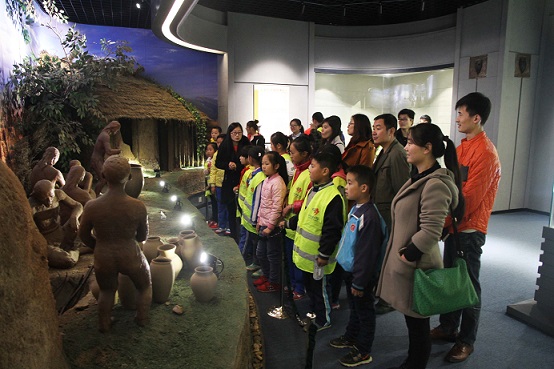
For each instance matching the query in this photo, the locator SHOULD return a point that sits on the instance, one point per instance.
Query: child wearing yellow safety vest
(300, 154)
(318, 231)
(251, 205)
(245, 176)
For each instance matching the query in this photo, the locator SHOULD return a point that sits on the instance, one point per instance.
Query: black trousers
(420, 342)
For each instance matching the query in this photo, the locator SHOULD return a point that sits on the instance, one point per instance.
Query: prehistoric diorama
(89, 239)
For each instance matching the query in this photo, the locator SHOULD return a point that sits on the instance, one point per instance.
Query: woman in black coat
(228, 160)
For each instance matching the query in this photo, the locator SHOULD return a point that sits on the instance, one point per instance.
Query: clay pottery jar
(189, 249)
(162, 279)
(203, 283)
(133, 187)
(168, 251)
(150, 247)
(127, 292)
(174, 241)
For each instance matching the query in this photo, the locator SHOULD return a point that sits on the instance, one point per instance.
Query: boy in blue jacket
(360, 251)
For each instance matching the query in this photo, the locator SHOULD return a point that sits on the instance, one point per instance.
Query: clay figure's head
(116, 169)
(76, 174)
(113, 127)
(43, 192)
(74, 162)
(51, 155)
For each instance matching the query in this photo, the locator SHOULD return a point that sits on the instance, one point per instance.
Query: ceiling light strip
(171, 17)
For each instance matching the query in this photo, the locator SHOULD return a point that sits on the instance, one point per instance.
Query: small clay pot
(203, 283)
(162, 279)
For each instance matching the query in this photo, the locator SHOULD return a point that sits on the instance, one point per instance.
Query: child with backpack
(360, 254)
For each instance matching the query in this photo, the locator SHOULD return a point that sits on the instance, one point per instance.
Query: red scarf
(300, 168)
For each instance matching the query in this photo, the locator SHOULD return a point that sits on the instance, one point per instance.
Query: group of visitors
(380, 216)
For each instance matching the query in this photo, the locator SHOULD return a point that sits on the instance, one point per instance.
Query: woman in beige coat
(418, 213)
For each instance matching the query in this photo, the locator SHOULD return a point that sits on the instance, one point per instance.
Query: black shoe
(354, 358)
(383, 307)
(341, 342)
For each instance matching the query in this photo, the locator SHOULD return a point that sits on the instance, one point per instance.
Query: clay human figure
(45, 206)
(44, 169)
(71, 188)
(102, 150)
(119, 223)
(86, 182)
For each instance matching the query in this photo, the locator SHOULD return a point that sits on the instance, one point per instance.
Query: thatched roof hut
(158, 128)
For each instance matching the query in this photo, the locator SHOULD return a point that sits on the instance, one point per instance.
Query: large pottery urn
(127, 292)
(134, 185)
(168, 251)
(190, 248)
(150, 247)
(203, 283)
(162, 279)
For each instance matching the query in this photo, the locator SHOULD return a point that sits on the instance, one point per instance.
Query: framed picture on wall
(478, 66)
(523, 66)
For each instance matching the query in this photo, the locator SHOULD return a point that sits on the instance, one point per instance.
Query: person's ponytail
(451, 162)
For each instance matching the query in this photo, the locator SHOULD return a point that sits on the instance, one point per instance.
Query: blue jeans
(295, 274)
(249, 249)
(361, 325)
(242, 239)
(222, 214)
(269, 254)
(471, 243)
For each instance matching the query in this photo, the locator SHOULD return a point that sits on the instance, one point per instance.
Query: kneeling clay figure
(45, 206)
(119, 222)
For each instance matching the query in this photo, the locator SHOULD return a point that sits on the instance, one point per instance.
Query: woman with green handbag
(418, 214)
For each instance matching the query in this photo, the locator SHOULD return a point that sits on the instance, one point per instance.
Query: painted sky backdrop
(191, 73)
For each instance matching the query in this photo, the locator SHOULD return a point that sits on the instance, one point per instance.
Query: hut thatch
(159, 129)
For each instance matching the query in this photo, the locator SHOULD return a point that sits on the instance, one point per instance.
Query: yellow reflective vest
(247, 221)
(297, 191)
(308, 232)
(243, 186)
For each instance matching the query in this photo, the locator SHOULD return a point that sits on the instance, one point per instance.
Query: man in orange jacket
(480, 168)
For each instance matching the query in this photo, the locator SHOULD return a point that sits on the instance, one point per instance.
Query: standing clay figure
(119, 222)
(86, 182)
(103, 150)
(45, 206)
(44, 169)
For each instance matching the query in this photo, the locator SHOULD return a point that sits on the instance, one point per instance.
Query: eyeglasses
(236, 133)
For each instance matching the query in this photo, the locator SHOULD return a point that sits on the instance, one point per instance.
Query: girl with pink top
(274, 190)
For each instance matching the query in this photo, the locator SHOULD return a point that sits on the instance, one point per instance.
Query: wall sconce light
(165, 186)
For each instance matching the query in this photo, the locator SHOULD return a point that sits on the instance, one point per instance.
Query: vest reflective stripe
(243, 186)
(309, 257)
(308, 232)
(246, 220)
(308, 235)
(297, 191)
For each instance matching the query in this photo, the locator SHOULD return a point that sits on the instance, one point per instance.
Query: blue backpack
(346, 252)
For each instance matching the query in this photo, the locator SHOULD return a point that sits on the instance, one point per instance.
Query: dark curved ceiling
(124, 13)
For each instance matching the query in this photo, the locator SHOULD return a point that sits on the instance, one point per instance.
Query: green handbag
(439, 291)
